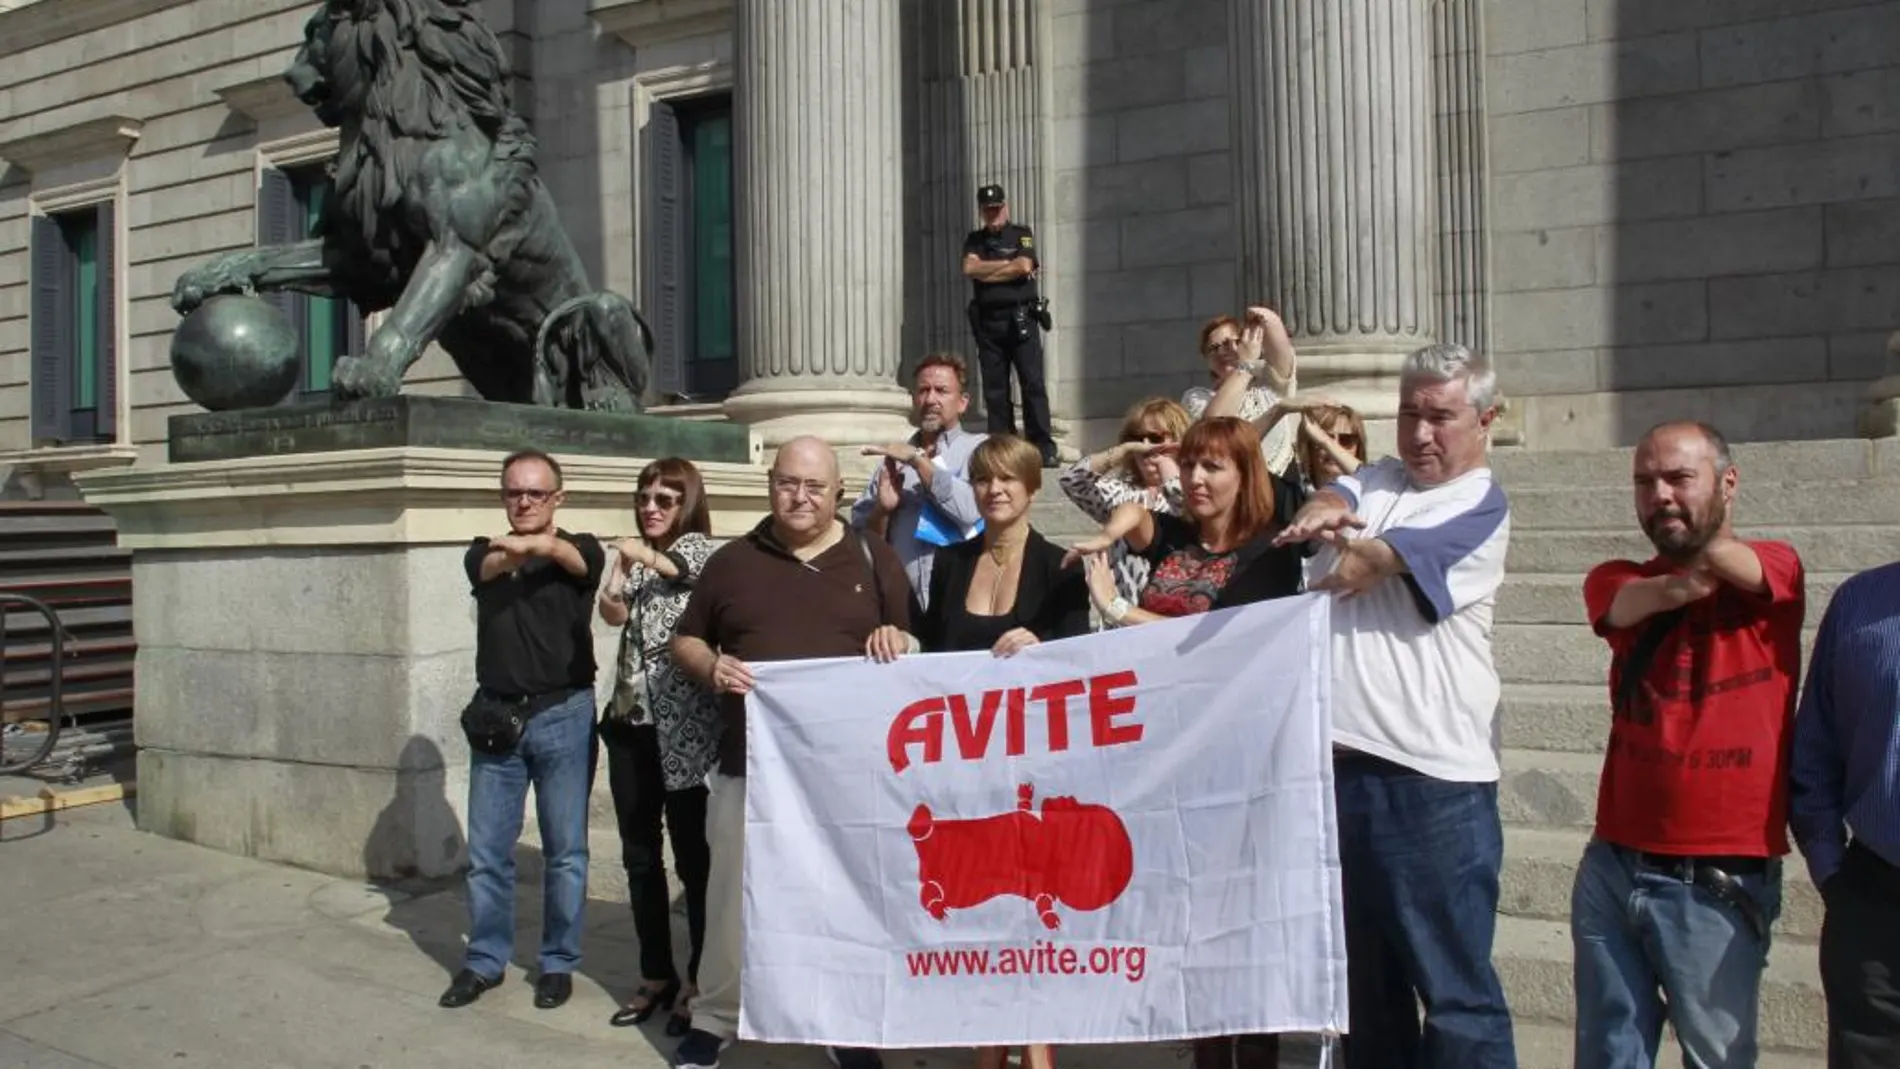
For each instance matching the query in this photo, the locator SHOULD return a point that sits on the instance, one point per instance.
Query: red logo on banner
(1073, 853)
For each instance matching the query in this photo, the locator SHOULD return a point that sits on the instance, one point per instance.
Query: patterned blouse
(685, 713)
(1278, 443)
(1097, 495)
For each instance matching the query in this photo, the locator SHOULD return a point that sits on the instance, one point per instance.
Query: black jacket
(1051, 602)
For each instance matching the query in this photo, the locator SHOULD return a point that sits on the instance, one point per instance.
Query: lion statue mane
(439, 216)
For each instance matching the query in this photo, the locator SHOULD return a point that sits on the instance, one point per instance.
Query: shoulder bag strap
(1641, 654)
(870, 565)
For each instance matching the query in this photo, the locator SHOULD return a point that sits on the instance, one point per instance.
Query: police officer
(1000, 261)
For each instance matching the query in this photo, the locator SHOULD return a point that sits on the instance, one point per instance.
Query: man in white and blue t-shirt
(1415, 545)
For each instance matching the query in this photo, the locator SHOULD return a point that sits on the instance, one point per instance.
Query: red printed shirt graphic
(1697, 764)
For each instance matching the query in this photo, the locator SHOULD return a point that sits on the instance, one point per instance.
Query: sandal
(654, 998)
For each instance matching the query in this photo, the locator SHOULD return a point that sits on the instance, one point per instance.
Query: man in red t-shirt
(1675, 894)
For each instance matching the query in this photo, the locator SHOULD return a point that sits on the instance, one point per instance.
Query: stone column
(1338, 193)
(819, 214)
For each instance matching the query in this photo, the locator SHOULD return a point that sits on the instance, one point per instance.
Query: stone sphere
(235, 351)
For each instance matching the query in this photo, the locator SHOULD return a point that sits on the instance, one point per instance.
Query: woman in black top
(1007, 589)
(1218, 554)
(1002, 592)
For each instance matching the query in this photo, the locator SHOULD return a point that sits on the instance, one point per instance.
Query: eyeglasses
(790, 487)
(531, 495)
(659, 499)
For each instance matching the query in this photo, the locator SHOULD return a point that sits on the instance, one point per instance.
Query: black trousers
(1000, 347)
(1860, 962)
(641, 800)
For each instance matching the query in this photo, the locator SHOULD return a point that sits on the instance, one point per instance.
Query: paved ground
(128, 951)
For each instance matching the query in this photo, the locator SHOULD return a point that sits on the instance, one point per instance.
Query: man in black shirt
(1000, 260)
(534, 653)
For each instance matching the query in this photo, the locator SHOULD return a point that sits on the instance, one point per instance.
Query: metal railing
(23, 743)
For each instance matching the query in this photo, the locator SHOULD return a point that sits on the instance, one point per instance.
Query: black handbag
(494, 724)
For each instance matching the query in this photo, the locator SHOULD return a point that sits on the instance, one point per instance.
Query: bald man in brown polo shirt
(800, 584)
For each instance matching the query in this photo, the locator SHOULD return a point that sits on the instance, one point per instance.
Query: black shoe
(680, 1021)
(467, 986)
(653, 999)
(552, 990)
(699, 1050)
(854, 1057)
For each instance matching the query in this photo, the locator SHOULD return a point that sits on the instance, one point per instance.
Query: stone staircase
(1837, 501)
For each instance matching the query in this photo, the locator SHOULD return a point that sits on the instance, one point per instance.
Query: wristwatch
(1256, 368)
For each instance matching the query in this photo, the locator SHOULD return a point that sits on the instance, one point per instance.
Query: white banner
(1123, 837)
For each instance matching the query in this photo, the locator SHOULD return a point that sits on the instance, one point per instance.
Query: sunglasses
(659, 499)
(532, 497)
(1151, 438)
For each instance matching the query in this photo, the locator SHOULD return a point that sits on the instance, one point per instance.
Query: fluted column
(819, 183)
(1337, 185)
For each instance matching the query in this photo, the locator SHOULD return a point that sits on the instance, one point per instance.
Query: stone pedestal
(306, 641)
(819, 143)
(1339, 204)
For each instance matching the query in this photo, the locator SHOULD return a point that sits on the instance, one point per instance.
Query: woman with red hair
(1219, 552)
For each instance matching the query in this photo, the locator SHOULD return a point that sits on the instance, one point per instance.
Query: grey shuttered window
(74, 326)
(51, 326)
(667, 248)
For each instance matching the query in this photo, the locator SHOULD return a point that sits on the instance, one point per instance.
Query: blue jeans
(1650, 944)
(556, 755)
(1419, 859)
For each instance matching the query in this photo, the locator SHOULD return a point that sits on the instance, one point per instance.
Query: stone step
(1758, 504)
(1823, 460)
(1549, 788)
(1541, 599)
(1540, 866)
(1533, 959)
(1542, 1045)
(1556, 717)
(1056, 518)
(1849, 547)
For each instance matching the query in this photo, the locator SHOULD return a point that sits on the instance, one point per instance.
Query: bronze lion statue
(439, 216)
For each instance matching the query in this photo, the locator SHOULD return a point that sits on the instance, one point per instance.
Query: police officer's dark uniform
(1005, 318)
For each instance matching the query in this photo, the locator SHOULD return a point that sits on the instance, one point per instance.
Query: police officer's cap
(989, 195)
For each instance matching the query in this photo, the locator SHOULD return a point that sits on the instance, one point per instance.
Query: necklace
(1000, 561)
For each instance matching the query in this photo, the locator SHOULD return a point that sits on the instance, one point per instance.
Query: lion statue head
(395, 76)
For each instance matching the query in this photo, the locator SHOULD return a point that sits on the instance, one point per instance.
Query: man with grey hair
(1416, 544)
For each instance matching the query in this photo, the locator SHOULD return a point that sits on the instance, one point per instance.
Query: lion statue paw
(226, 274)
(356, 377)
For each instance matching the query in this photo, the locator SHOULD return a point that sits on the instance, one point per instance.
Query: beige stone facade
(1640, 208)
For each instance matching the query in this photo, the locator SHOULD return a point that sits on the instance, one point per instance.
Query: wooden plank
(18, 621)
(83, 703)
(63, 524)
(103, 555)
(50, 800)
